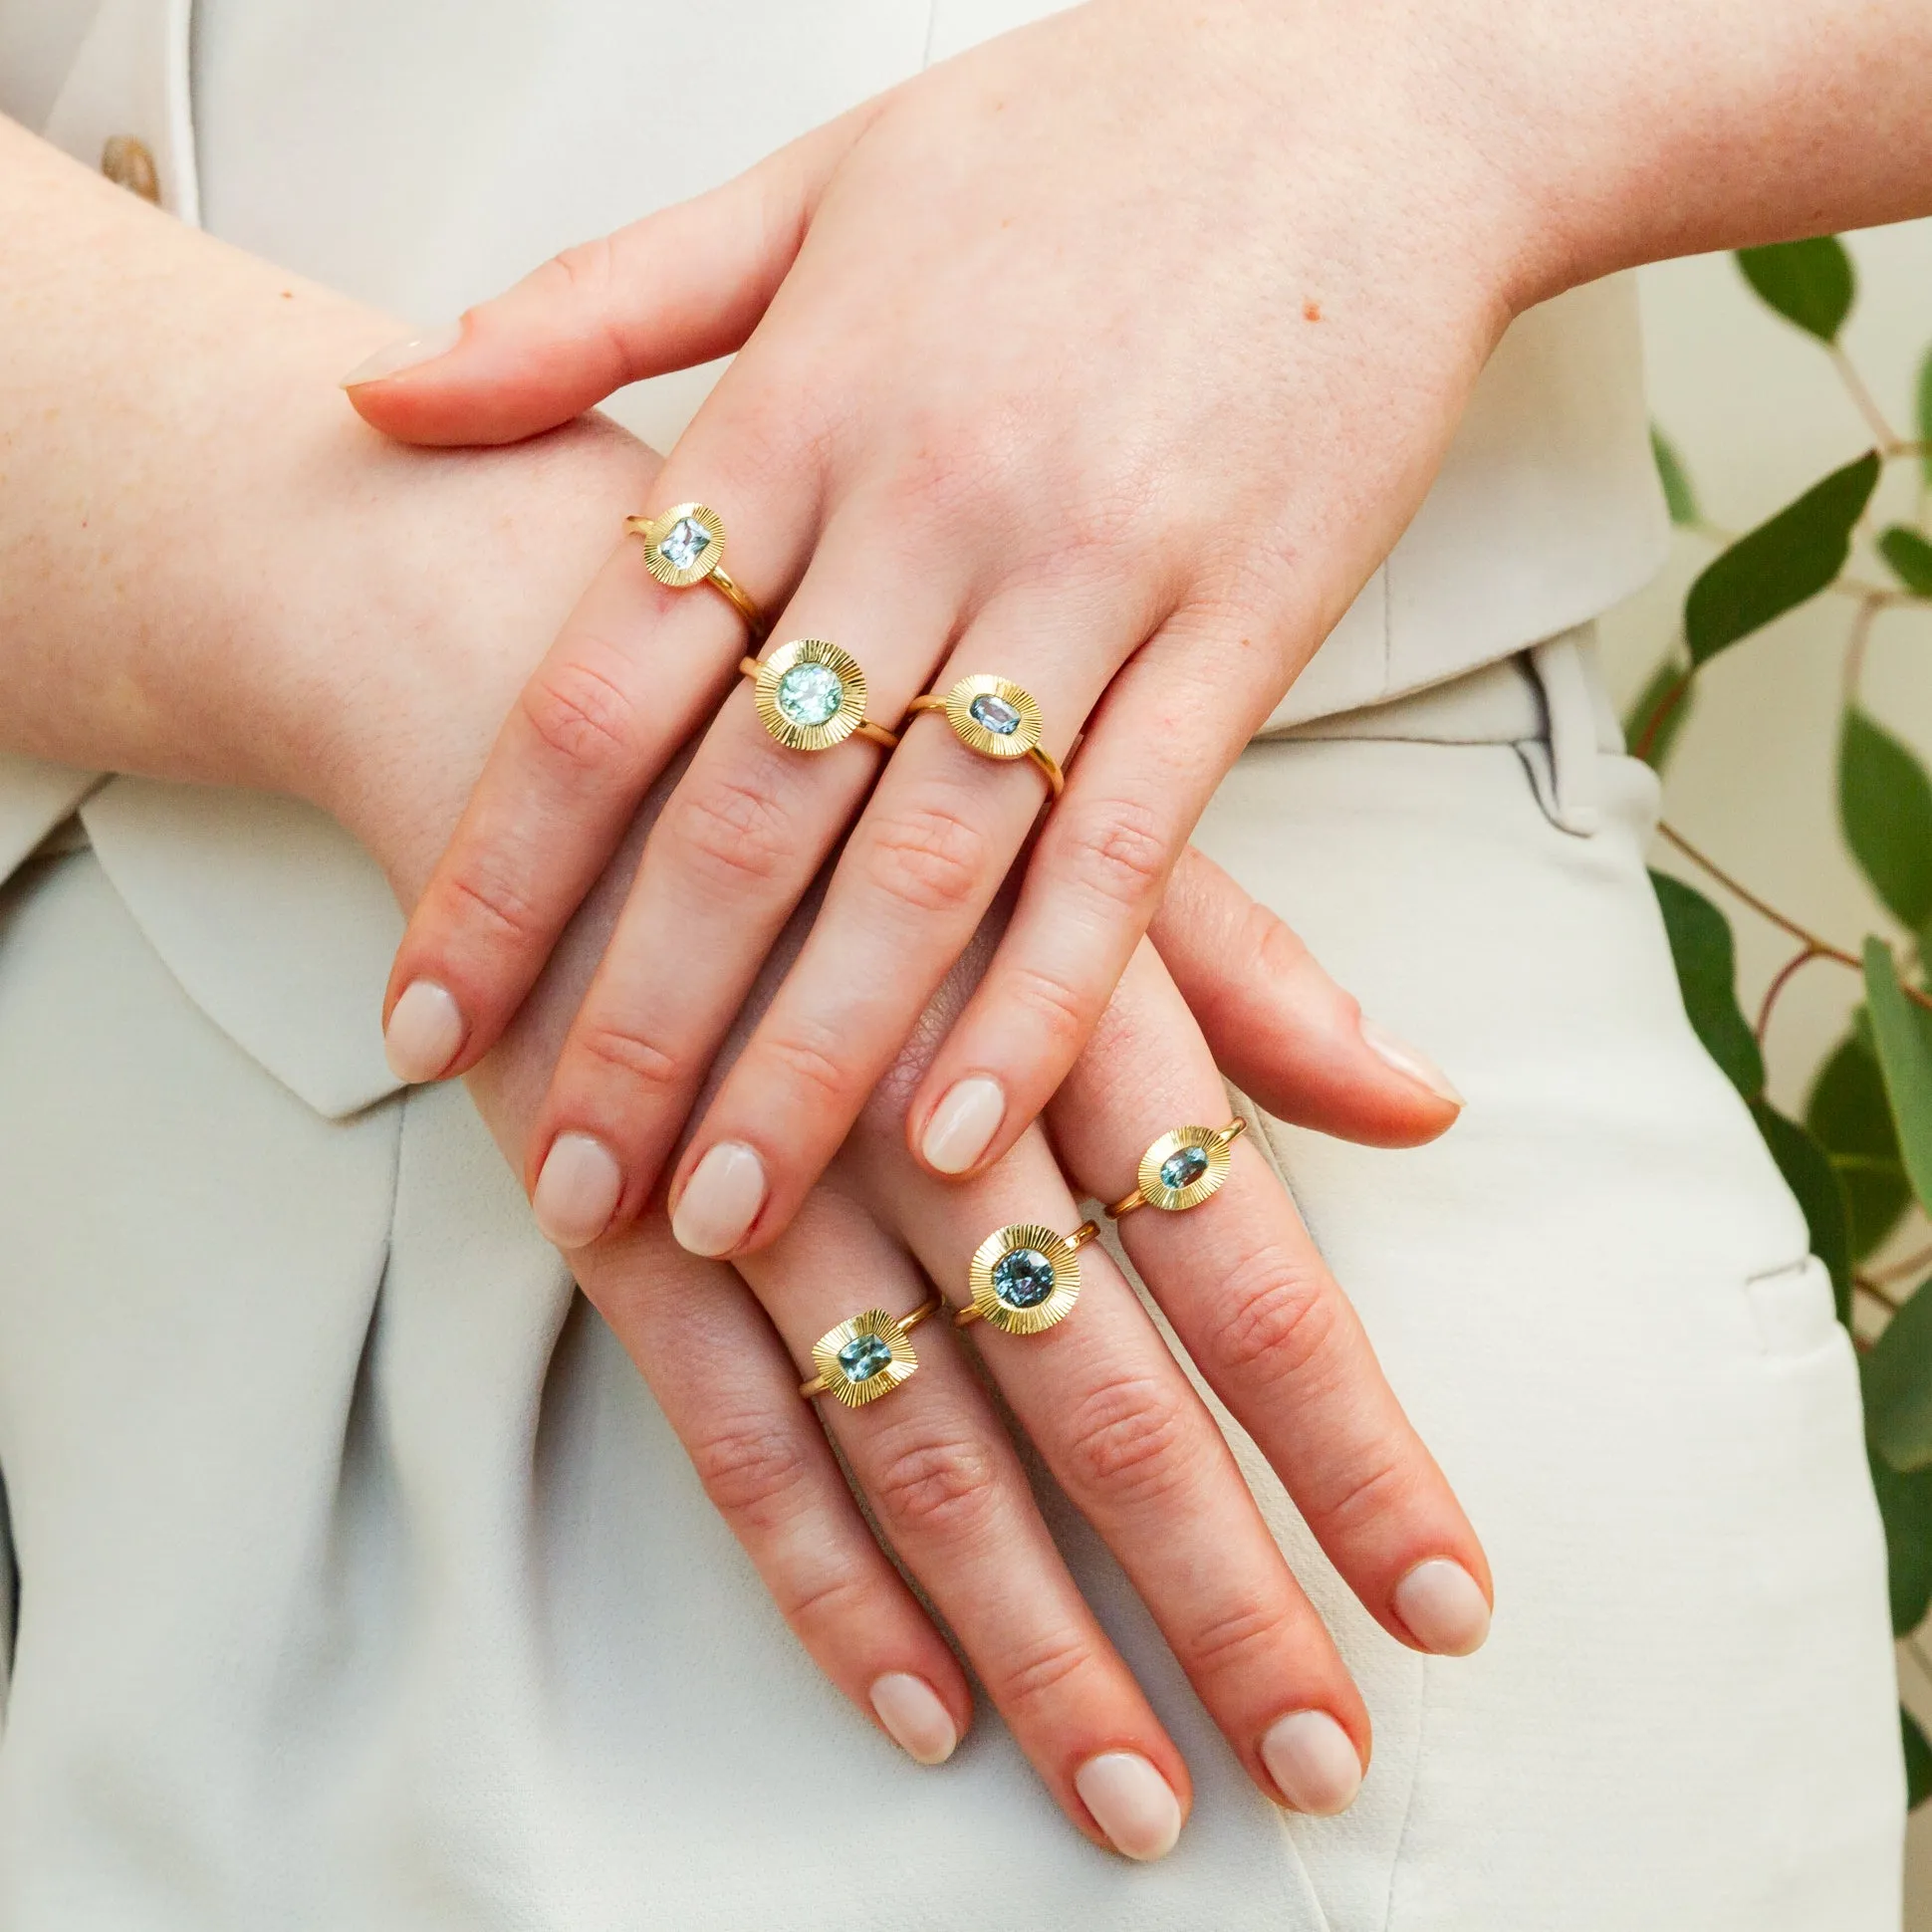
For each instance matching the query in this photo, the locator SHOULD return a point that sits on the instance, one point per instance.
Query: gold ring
(996, 718)
(866, 1358)
(1182, 1168)
(1026, 1278)
(685, 546)
(812, 695)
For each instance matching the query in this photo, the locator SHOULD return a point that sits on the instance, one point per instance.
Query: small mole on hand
(1311, 312)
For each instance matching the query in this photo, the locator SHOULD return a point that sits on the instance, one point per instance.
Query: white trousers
(361, 1589)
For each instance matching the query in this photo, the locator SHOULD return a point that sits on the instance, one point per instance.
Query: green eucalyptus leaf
(1925, 416)
(1910, 556)
(1780, 564)
(1809, 1175)
(1898, 1387)
(1701, 948)
(1660, 712)
(1678, 493)
(1901, 1030)
(1905, 1508)
(1885, 808)
(1918, 1761)
(1850, 1116)
(1810, 283)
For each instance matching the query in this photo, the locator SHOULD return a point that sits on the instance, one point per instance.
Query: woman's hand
(1110, 357)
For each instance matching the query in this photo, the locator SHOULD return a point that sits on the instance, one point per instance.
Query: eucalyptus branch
(1868, 1285)
(1899, 1270)
(1855, 648)
(1890, 442)
(1786, 974)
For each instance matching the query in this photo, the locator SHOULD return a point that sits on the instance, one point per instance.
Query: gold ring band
(1025, 1277)
(1182, 1168)
(866, 1358)
(812, 695)
(685, 547)
(996, 718)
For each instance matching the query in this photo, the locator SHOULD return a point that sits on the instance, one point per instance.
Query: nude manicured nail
(1309, 1757)
(1444, 1607)
(576, 1190)
(963, 1125)
(910, 1710)
(1407, 1061)
(1131, 1802)
(398, 356)
(720, 1200)
(425, 1031)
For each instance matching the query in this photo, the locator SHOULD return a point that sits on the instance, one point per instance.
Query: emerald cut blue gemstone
(684, 543)
(1023, 1278)
(864, 1356)
(994, 713)
(1183, 1167)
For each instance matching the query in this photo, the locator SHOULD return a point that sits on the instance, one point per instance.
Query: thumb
(1281, 1029)
(674, 290)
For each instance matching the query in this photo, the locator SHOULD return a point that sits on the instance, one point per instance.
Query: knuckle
(1039, 1672)
(936, 1486)
(1278, 1319)
(752, 1469)
(729, 831)
(584, 717)
(1380, 1487)
(1131, 1438)
(478, 895)
(831, 1602)
(606, 1047)
(1064, 1012)
(927, 858)
(813, 1064)
(1117, 853)
(1271, 942)
(1237, 1635)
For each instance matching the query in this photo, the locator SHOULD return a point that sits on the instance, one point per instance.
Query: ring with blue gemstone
(810, 695)
(1182, 1168)
(866, 1358)
(996, 718)
(685, 547)
(1026, 1278)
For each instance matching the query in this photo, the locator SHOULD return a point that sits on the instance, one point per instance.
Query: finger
(730, 1391)
(1280, 1027)
(1140, 1455)
(674, 290)
(631, 677)
(952, 1499)
(1258, 1311)
(747, 828)
(1140, 781)
(907, 895)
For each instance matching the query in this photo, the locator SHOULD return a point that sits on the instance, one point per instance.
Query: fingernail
(398, 356)
(963, 1125)
(425, 1031)
(1444, 1607)
(1407, 1061)
(720, 1200)
(1311, 1760)
(576, 1190)
(910, 1710)
(1131, 1802)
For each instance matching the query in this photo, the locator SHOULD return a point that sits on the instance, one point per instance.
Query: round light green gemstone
(1023, 1278)
(810, 694)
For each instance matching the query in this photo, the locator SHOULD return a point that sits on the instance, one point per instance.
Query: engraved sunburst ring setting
(866, 1356)
(996, 718)
(1026, 1278)
(1182, 1168)
(810, 695)
(685, 547)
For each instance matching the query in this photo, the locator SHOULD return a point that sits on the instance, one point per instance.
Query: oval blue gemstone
(864, 1356)
(1023, 1278)
(1183, 1167)
(995, 714)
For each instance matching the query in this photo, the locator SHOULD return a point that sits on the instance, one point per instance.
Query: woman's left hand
(1110, 357)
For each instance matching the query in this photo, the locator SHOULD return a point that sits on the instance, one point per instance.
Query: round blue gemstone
(994, 713)
(1023, 1278)
(864, 1356)
(1183, 1167)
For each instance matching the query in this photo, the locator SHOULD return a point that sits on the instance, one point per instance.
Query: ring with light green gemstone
(810, 695)
(1182, 1168)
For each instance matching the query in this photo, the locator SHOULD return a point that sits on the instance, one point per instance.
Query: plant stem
(1867, 1285)
(1823, 948)
(1785, 972)
(1898, 1271)
(1890, 443)
(1854, 650)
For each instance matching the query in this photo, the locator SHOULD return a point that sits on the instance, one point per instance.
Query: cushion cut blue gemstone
(1183, 1167)
(1023, 1278)
(864, 1356)
(994, 713)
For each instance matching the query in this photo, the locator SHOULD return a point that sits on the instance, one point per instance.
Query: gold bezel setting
(1214, 1143)
(658, 531)
(852, 694)
(1017, 743)
(1062, 1258)
(873, 1325)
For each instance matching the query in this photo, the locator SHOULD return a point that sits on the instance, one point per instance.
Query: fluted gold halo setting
(866, 1358)
(683, 546)
(1025, 1277)
(1182, 1168)
(811, 695)
(994, 716)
